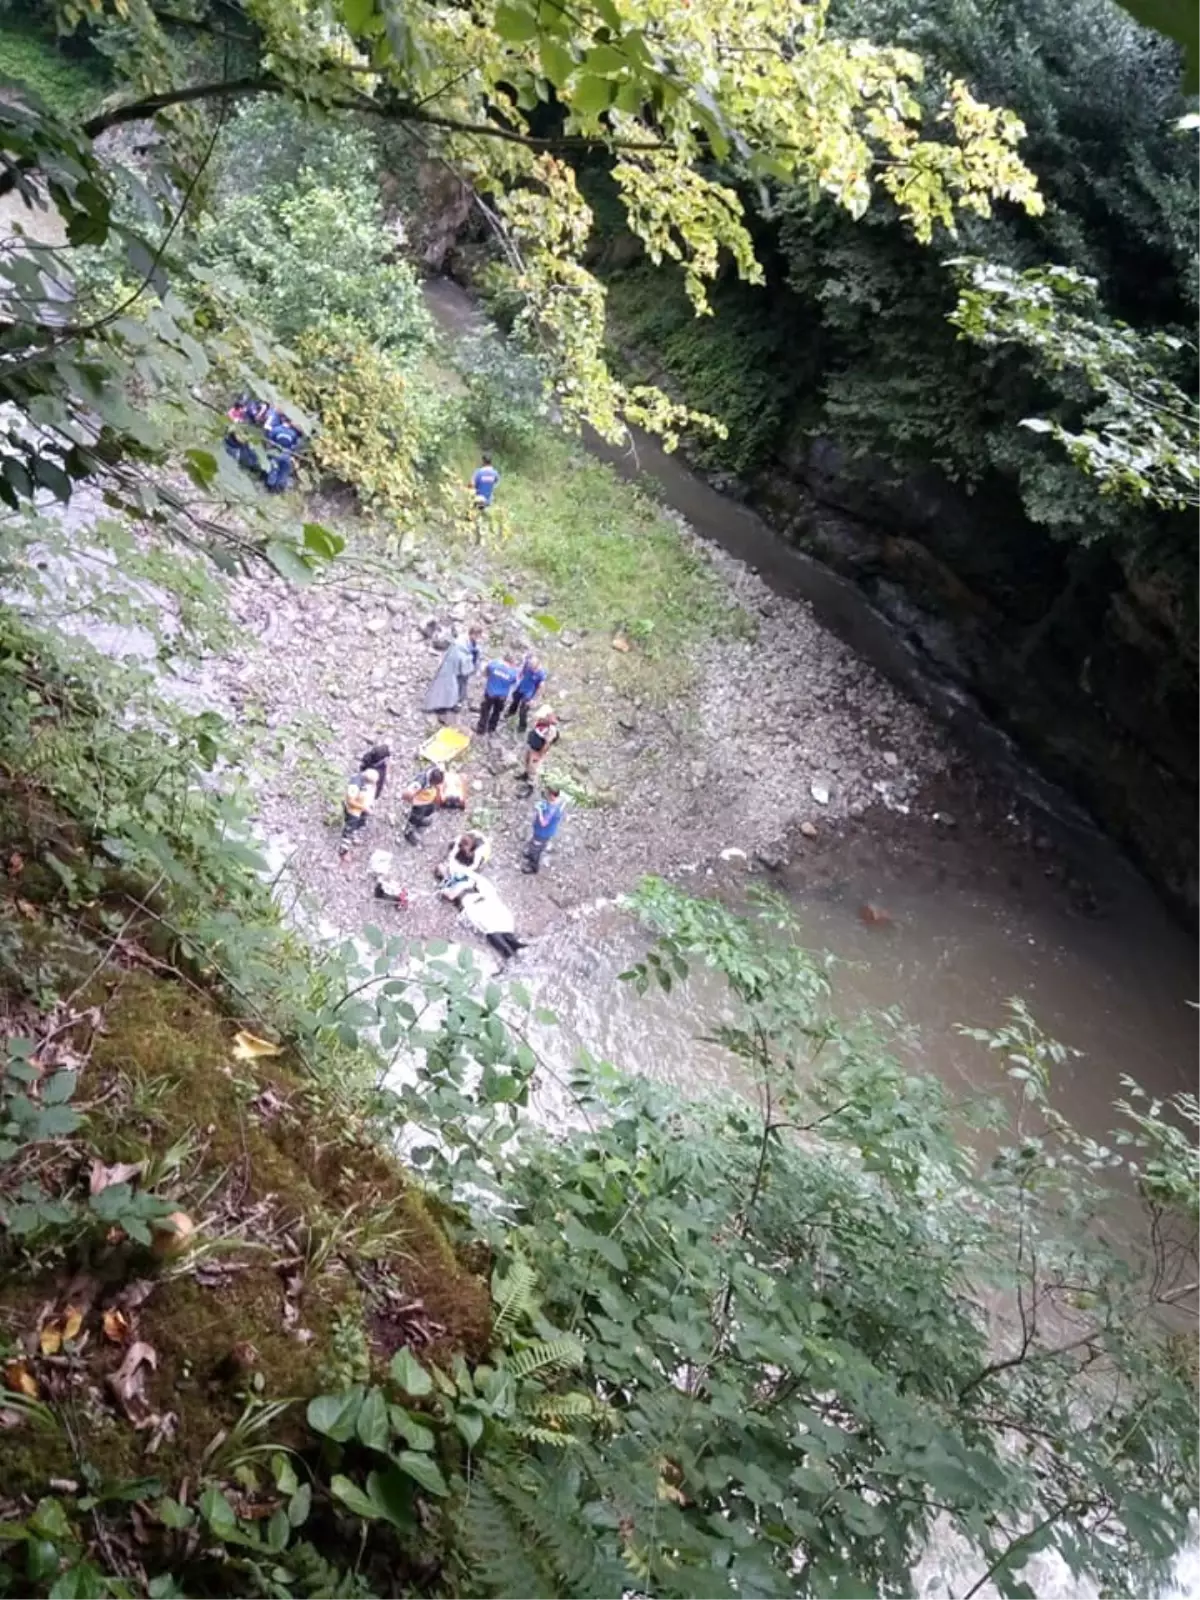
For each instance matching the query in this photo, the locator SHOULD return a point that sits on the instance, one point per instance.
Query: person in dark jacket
(422, 797)
(377, 756)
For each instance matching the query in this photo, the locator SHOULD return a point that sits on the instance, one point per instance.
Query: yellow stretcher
(444, 746)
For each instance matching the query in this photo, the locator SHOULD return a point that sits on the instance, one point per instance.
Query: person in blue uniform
(484, 482)
(533, 676)
(499, 680)
(547, 819)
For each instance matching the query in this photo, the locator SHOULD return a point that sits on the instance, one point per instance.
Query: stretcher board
(444, 746)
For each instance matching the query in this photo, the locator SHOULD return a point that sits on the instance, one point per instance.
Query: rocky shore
(782, 734)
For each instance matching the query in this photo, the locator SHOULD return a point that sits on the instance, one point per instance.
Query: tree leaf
(288, 562)
(372, 1422)
(409, 1374)
(515, 24)
(424, 1471)
(334, 1415)
(353, 1498)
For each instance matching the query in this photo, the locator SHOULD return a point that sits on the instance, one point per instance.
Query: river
(1019, 895)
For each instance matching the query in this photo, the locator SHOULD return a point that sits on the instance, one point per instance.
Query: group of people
(280, 435)
(511, 687)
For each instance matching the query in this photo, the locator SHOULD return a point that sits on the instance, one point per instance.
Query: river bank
(766, 715)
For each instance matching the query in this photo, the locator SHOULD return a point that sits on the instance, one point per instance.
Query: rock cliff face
(1089, 666)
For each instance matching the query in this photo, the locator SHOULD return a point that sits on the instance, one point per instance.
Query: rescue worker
(500, 678)
(422, 798)
(528, 686)
(377, 756)
(484, 482)
(359, 801)
(547, 819)
(541, 736)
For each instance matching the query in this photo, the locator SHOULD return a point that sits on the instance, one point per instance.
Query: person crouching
(422, 798)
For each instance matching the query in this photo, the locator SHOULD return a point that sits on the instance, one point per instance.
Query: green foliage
(308, 248)
(71, 81)
(505, 404)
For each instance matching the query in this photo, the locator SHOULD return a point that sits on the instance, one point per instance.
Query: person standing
(501, 677)
(547, 819)
(541, 736)
(359, 801)
(533, 676)
(449, 687)
(422, 798)
(484, 483)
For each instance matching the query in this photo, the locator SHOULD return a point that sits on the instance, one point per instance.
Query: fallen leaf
(122, 1172)
(27, 909)
(127, 1382)
(134, 1293)
(621, 643)
(172, 1234)
(16, 864)
(247, 1047)
(51, 1337)
(72, 1322)
(20, 1380)
(117, 1326)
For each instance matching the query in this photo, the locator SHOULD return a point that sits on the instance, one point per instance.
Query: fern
(525, 1533)
(514, 1299)
(545, 1355)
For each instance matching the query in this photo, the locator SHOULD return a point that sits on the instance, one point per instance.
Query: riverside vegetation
(294, 1298)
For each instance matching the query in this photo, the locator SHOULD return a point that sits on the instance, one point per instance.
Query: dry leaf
(621, 643)
(18, 1378)
(72, 1322)
(247, 1047)
(27, 908)
(16, 864)
(117, 1326)
(51, 1337)
(123, 1172)
(127, 1382)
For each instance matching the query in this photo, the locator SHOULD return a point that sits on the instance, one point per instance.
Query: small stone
(809, 830)
(944, 817)
(733, 854)
(820, 793)
(890, 758)
(376, 624)
(394, 604)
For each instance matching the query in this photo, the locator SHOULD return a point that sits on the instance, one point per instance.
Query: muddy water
(1012, 893)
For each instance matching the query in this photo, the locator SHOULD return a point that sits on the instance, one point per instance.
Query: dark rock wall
(1089, 666)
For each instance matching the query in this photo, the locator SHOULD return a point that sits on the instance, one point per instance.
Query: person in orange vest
(357, 804)
(422, 798)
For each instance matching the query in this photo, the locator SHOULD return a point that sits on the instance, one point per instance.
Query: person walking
(547, 819)
(357, 804)
(422, 798)
(484, 482)
(448, 690)
(528, 686)
(541, 736)
(500, 679)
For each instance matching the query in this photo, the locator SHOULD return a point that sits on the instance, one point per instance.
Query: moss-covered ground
(313, 1257)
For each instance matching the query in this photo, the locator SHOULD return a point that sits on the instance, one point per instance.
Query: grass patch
(574, 539)
(72, 85)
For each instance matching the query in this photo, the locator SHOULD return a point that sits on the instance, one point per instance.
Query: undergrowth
(30, 54)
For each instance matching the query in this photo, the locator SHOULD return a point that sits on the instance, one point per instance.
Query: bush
(505, 405)
(313, 249)
(383, 422)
